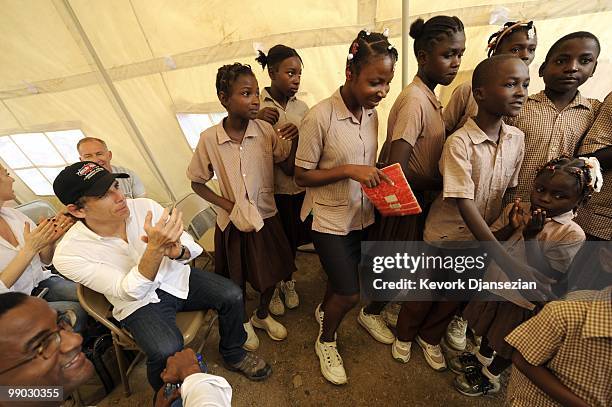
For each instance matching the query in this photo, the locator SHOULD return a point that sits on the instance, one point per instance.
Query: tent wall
(121, 69)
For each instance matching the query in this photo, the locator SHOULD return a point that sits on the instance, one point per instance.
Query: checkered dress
(549, 134)
(572, 339)
(596, 217)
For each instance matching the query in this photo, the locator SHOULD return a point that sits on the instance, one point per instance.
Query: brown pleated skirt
(260, 258)
(495, 319)
(289, 208)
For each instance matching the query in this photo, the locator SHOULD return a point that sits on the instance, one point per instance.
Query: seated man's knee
(233, 294)
(164, 349)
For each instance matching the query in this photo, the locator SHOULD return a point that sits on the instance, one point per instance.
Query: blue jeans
(154, 325)
(62, 297)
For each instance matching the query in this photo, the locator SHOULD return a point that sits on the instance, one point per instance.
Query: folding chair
(96, 305)
(199, 217)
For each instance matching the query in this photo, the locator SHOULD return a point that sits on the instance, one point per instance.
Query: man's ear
(76, 211)
(110, 155)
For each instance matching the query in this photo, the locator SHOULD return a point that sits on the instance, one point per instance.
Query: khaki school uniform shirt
(549, 134)
(292, 113)
(331, 136)
(416, 117)
(476, 168)
(559, 241)
(596, 217)
(573, 339)
(461, 107)
(244, 171)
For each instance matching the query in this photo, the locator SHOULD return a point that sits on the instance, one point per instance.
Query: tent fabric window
(37, 158)
(192, 124)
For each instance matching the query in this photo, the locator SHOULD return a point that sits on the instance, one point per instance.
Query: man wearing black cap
(136, 253)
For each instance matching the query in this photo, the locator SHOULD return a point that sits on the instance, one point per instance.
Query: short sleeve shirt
(461, 107)
(572, 339)
(331, 136)
(473, 167)
(292, 113)
(244, 169)
(596, 217)
(549, 133)
(416, 117)
(131, 187)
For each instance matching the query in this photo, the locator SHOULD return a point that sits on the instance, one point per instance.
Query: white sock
(489, 375)
(485, 361)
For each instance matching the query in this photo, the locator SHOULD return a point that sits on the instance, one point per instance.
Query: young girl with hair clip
(415, 137)
(336, 154)
(281, 108)
(516, 38)
(242, 152)
(551, 240)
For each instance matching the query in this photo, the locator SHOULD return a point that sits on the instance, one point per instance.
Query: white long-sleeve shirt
(109, 265)
(202, 389)
(34, 273)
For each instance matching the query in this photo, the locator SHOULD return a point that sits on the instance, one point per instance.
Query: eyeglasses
(49, 344)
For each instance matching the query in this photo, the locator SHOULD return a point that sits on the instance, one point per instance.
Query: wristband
(180, 256)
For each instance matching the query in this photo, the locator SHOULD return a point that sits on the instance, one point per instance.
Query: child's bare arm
(209, 195)
(364, 174)
(547, 382)
(604, 156)
(400, 153)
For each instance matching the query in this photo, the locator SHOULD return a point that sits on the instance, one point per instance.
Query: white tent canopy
(121, 70)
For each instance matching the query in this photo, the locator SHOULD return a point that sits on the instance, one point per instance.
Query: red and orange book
(393, 200)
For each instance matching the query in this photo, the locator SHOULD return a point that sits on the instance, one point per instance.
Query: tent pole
(114, 97)
(405, 52)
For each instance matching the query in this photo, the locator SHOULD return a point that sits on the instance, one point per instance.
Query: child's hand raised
(288, 131)
(268, 114)
(517, 215)
(534, 224)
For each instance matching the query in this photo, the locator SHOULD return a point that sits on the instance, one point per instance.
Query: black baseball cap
(84, 178)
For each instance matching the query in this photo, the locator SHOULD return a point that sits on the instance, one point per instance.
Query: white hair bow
(595, 171)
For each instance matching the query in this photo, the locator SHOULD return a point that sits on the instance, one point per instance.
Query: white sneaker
(400, 350)
(252, 342)
(292, 300)
(433, 355)
(332, 367)
(455, 333)
(276, 305)
(375, 325)
(276, 331)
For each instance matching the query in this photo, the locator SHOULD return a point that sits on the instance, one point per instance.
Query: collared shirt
(131, 187)
(572, 339)
(203, 389)
(416, 117)
(476, 168)
(559, 241)
(109, 265)
(244, 171)
(331, 136)
(549, 133)
(292, 113)
(596, 217)
(34, 272)
(461, 107)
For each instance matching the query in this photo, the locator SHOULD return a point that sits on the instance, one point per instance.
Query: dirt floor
(375, 379)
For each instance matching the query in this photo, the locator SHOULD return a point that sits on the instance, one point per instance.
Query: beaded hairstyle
(585, 170)
(366, 45)
(227, 75)
(508, 29)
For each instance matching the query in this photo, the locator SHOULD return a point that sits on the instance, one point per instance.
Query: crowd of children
(496, 165)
